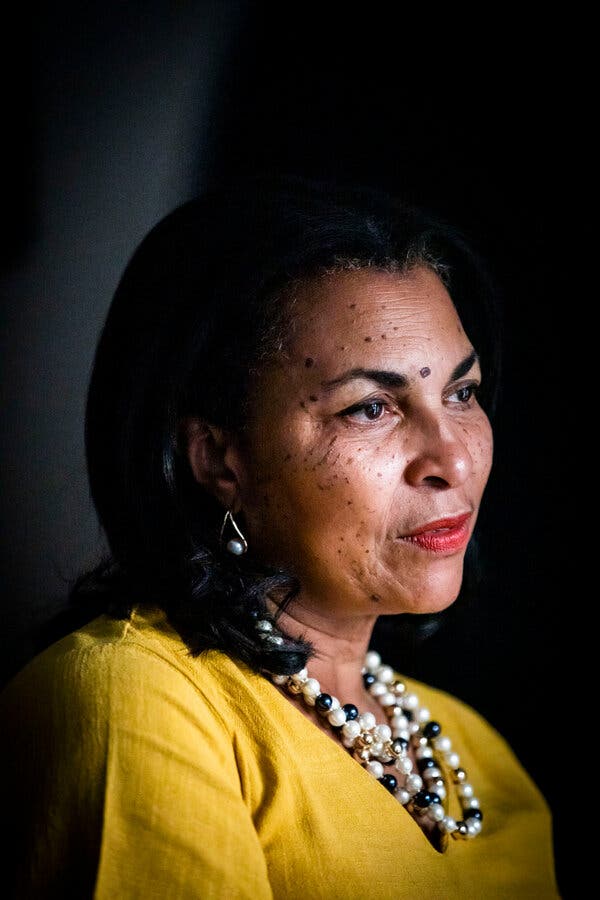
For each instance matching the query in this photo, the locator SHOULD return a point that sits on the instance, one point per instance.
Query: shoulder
(126, 672)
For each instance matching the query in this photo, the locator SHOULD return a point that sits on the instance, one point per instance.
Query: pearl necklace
(373, 745)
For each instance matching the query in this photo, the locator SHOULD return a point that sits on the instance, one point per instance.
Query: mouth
(441, 536)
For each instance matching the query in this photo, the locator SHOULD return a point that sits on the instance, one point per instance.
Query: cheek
(346, 497)
(481, 447)
(326, 493)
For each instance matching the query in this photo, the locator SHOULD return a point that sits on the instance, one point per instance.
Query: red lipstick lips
(443, 535)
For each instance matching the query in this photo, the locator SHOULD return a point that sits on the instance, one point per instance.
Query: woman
(286, 438)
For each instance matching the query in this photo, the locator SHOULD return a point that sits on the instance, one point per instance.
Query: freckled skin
(427, 457)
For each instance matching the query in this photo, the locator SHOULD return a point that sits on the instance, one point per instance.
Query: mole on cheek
(312, 398)
(309, 361)
(368, 339)
(425, 371)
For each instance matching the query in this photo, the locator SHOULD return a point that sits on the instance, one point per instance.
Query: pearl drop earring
(238, 545)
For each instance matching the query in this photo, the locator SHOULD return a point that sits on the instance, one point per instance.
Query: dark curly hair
(200, 306)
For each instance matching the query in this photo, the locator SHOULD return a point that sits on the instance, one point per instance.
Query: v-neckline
(331, 742)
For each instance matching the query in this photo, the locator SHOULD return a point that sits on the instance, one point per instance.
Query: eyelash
(359, 407)
(472, 388)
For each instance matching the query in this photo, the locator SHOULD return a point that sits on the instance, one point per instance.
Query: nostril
(435, 481)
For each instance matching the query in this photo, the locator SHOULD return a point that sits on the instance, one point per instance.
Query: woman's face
(367, 453)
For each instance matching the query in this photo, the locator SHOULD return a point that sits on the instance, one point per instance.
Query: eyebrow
(394, 379)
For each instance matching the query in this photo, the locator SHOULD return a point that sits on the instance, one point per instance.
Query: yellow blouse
(136, 771)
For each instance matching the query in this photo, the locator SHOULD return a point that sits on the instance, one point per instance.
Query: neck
(339, 644)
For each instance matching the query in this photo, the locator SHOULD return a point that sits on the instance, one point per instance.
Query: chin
(433, 604)
(429, 595)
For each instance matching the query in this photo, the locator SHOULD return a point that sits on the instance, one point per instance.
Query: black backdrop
(460, 117)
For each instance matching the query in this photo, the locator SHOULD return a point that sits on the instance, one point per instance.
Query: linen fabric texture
(135, 770)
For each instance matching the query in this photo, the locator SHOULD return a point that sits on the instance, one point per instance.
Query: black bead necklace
(374, 745)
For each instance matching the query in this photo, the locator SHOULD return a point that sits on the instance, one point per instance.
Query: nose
(440, 457)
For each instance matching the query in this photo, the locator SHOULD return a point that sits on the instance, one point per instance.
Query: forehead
(371, 310)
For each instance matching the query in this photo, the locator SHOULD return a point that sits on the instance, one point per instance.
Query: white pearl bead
(302, 675)
(375, 768)
(404, 765)
(275, 639)
(414, 783)
(336, 717)
(279, 679)
(423, 752)
(448, 824)
(399, 722)
(382, 733)
(372, 660)
(441, 791)
(473, 802)
(433, 772)
(453, 760)
(423, 715)
(377, 689)
(385, 674)
(465, 790)
(403, 796)
(235, 547)
(367, 721)
(413, 727)
(436, 812)
(377, 748)
(388, 699)
(400, 733)
(410, 701)
(311, 688)
(264, 625)
(335, 703)
(475, 824)
(443, 744)
(351, 729)
(309, 699)
(471, 831)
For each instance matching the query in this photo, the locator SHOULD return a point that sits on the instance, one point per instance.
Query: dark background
(115, 114)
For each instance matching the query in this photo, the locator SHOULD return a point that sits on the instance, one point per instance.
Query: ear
(210, 451)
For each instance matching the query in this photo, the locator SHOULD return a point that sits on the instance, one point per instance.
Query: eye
(465, 393)
(370, 411)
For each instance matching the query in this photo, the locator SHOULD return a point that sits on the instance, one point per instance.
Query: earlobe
(206, 448)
